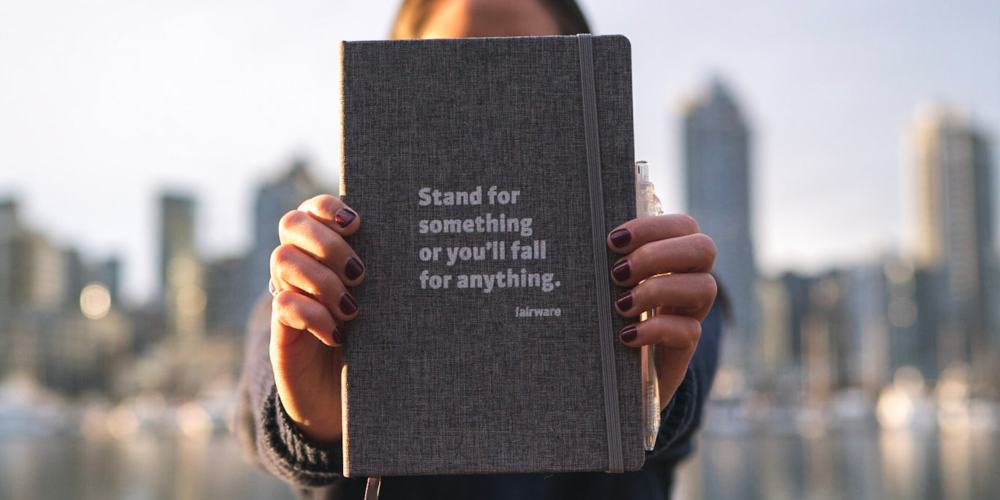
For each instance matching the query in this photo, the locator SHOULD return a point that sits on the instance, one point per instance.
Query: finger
(672, 332)
(333, 213)
(321, 243)
(684, 294)
(294, 267)
(637, 232)
(293, 313)
(675, 338)
(694, 253)
(280, 284)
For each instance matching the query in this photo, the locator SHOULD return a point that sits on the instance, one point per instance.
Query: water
(147, 467)
(847, 465)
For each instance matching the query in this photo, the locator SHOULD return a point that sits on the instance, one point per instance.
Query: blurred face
(489, 18)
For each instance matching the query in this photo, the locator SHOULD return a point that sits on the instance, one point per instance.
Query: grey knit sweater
(272, 442)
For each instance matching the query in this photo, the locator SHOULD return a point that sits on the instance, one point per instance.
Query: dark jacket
(273, 443)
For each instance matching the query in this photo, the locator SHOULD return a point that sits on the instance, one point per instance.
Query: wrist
(318, 430)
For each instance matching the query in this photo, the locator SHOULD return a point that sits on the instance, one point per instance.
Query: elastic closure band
(607, 337)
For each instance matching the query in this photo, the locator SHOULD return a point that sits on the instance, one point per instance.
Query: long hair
(413, 14)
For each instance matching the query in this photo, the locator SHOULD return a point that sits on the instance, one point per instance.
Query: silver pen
(648, 205)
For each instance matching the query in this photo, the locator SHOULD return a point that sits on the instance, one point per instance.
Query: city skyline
(213, 101)
(64, 326)
(847, 326)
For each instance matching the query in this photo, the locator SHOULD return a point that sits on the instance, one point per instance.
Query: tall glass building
(718, 173)
(955, 237)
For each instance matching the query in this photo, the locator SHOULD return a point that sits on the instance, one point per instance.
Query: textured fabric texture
(272, 443)
(451, 380)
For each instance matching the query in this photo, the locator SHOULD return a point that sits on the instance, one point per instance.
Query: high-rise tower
(181, 273)
(954, 236)
(718, 174)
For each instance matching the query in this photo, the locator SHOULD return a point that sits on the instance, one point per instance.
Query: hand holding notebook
(310, 273)
(479, 345)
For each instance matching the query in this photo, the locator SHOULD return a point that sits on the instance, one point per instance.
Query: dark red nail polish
(347, 304)
(353, 269)
(621, 237)
(621, 271)
(629, 334)
(338, 335)
(345, 217)
(624, 302)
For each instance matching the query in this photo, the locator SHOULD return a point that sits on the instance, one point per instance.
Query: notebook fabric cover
(502, 374)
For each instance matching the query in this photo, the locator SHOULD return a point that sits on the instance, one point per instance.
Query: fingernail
(338, 335)
(621, 237)
(353, 269)
(345, 217)
(629, 334)
(621, 271)
(624, 302)
(347, 304)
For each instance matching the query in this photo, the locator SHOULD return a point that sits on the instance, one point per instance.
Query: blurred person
(290, 410)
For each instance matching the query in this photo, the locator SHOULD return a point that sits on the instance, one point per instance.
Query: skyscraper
(224, 312)
(954, 235)
(867, 301)
(32, 267)
(718, 173)
(181, 274)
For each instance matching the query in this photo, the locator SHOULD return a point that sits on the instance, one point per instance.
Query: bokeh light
(95, 301)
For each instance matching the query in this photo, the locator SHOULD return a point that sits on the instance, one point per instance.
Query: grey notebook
(487, 340)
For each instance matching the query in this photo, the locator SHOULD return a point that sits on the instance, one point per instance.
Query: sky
(104, 104)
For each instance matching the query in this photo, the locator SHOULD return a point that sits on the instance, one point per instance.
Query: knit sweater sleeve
(269, 438)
